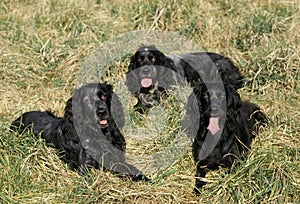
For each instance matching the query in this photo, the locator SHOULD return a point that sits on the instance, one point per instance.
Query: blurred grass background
(43, 44)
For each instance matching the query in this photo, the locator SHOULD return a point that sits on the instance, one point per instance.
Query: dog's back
(199, 66)
(37, 121)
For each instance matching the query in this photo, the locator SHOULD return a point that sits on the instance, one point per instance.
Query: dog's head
(144, 59)
(92, 102)
(216, 101)
(149, 73)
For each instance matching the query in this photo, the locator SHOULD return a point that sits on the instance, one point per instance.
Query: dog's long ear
(198, 89)
(162, 58)
(133, 61)
(233, 98)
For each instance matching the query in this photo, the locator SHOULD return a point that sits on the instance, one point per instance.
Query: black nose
(101, 110)
(146, 70)
(214, 109)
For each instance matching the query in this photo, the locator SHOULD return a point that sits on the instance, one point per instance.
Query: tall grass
(44, 43)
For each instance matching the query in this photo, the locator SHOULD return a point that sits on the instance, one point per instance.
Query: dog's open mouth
(103, 123)
(213, 126)
(146, 82)
(102, 115)
(214, 120)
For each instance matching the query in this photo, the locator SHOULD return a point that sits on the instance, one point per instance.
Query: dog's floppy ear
(162, 58)
(198, 89)
(233, 98)
(133, 60)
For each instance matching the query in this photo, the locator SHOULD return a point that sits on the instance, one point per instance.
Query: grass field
(43, 45)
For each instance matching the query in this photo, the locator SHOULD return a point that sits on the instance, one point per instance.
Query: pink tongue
(213, 126)
(146, 82)
(103, 122)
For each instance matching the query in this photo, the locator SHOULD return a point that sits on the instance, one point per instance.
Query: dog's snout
(146, 70)
(102, 110)
(214, 108)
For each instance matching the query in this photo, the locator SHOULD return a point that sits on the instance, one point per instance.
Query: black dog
(151, 72)
(87, 135)
(226, 127)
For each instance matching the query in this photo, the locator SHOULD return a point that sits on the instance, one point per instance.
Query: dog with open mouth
(151, 72)
(226, 127)
(87, 135)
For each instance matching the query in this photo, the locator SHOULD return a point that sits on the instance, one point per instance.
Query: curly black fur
(87, 135)
(237, 120)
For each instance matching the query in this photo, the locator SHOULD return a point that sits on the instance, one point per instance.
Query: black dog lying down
(150, 72)
(87, 135)
(227, 126)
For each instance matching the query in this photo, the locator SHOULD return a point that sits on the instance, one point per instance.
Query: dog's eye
(221, 96)
(152, 59)
(103, 97)
(141, 58)
(205, 96)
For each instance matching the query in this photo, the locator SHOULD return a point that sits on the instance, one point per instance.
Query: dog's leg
(85, 162)
(128, 170)
(200, 173)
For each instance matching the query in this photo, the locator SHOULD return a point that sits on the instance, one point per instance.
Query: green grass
(43, 45)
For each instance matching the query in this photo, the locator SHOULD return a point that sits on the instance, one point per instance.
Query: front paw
(197, 191)
(140, 178)
(198, 187)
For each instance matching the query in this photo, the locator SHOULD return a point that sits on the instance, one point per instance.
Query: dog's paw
(141, 178)
(197, 191)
